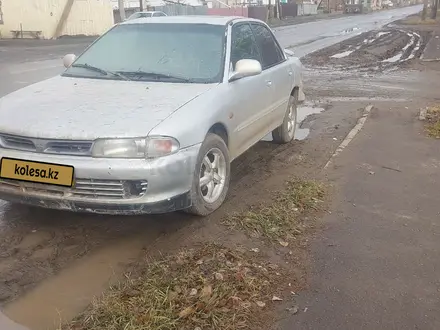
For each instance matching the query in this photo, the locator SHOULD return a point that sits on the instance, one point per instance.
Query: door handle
(269, 83)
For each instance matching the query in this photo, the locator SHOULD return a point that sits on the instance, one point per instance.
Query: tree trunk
(141, 5)
(277, 4)
(425, 9)
(269, 14)
(434, 9)
(121, 9)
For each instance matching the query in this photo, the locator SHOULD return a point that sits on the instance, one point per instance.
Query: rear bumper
(176, 203)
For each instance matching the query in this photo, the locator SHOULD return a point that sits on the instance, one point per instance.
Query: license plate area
(36, 172)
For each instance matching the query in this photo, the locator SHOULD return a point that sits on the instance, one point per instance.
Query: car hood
(86, 109)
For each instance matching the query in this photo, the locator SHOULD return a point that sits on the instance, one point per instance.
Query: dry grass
(417, 19)
(281, 220)
(433, 121)
(211, 287)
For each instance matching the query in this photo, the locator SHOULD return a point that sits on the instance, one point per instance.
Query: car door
(277, 71)
(251, 97)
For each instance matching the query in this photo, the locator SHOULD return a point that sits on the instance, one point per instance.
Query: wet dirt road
(36, 244)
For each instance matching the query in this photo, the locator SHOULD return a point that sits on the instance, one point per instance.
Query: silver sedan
(149, 117)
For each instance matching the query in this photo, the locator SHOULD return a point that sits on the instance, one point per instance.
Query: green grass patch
(282, 218)
(210, 287)
(433, 121)
(417, 19)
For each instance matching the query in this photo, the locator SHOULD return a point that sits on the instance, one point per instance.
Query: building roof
(189, 19)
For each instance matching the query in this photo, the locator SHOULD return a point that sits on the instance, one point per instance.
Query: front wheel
(211, 176)
(286, 132)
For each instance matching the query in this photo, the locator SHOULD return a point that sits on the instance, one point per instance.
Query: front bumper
(175, 203)
(105, 186)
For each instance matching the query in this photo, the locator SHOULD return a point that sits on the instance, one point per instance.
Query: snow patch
(380, 34)
(394, 59)
(343, 54)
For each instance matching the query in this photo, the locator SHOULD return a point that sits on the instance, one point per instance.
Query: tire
(202, 205)
(286, 132)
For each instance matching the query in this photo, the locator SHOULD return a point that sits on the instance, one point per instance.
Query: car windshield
(166, 52)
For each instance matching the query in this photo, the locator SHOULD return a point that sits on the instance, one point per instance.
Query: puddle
(7, 324)
(68, 293)
(302, 114)
(301, 133)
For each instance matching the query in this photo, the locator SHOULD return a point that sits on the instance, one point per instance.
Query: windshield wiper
(99, 70)
(154, 75)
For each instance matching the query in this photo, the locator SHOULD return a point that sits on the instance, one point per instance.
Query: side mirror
(68, 60)
(289, 52)
(245, 68)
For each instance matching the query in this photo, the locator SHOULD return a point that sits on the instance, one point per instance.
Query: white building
(154, 3)
(53, 18)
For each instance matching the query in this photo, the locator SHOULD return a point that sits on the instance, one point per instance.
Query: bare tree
(425, 9)
(269, 12)
(121, 9)
(434, 9)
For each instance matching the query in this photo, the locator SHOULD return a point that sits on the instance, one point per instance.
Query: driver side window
(243, 44)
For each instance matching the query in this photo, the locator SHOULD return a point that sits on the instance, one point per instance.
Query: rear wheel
(286, 132)
(211, 176)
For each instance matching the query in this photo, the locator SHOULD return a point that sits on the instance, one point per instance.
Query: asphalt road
(26, 62)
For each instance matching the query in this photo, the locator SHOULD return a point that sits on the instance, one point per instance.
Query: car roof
(148, 12)
(189, 19)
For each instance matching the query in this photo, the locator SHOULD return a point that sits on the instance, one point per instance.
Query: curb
(350, 136)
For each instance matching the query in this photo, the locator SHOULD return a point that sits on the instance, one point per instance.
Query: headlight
(151, 147)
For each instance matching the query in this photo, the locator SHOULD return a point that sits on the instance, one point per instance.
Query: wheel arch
(220, 130)
(295, 91)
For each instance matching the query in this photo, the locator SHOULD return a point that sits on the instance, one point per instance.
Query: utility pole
(121, 9)
(141, 5)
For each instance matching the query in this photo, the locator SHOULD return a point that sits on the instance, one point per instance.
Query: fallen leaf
(199, 262)
(186, 312)
(246, 304)
(275, 298)
(235, 300)
(260, 304)
(193, 292)
(219, 276)
(294, 310)
(206, 291)
(273, 266)
(283, 243)
(172, 295)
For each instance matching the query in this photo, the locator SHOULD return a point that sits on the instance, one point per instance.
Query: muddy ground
(38, 246)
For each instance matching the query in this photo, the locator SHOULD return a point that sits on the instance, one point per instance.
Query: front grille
(61, 147)
(109, 188)
(85, 188)
(68, 148)
(16, 142)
